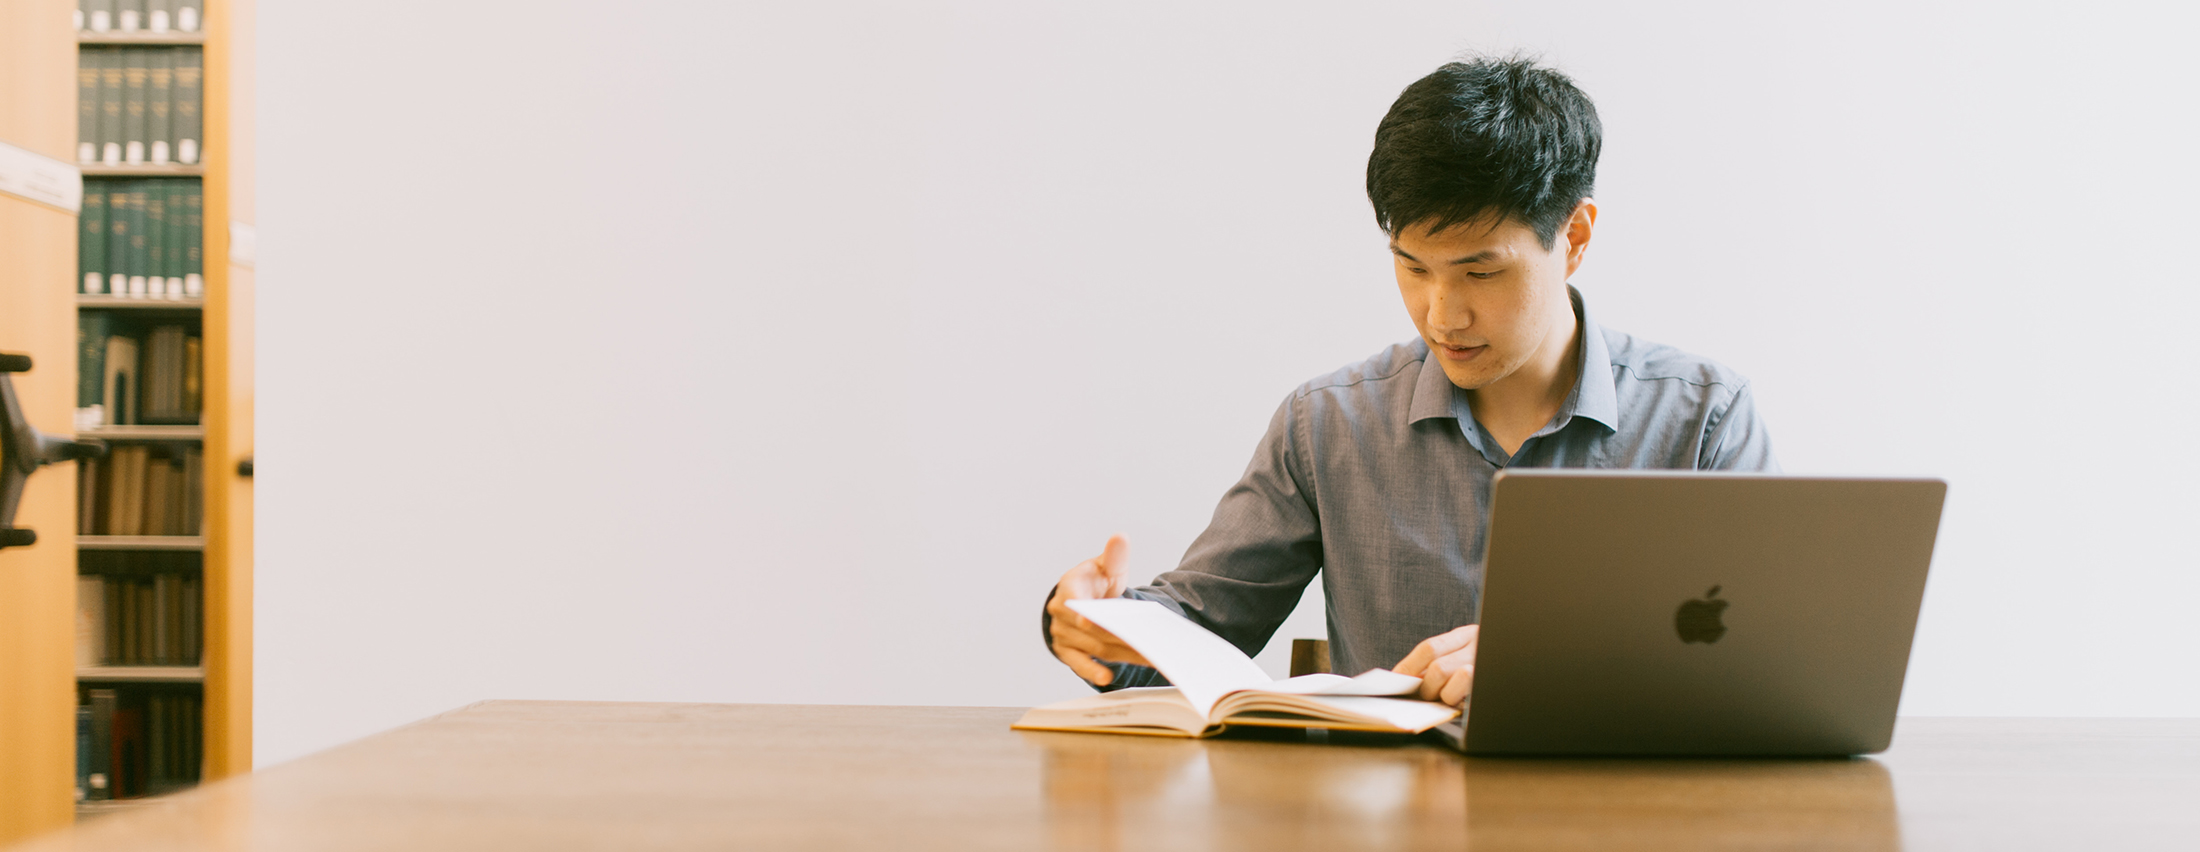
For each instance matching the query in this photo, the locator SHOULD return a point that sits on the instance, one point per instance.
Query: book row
(138, 105)
(135, 372)
(138, 741)
(142, 489)
(132, 16)
(138, 619)
(142, 238)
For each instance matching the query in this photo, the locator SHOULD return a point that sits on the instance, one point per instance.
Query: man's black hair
(1485, 137)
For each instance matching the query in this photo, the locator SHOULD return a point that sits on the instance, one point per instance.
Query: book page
(1371, 682)
(1203, 665)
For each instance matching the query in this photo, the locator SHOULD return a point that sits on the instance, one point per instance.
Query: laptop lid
(1687, 613)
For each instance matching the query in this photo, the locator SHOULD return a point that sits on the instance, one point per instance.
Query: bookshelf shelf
(95, 170)
(146, 38)
(140, 303)
(140, 542)
(142, 674)
(146, 433)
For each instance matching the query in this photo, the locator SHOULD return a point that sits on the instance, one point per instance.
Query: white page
(1371, 682)
(1203, 665)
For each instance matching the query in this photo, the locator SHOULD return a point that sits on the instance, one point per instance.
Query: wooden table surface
(569, 775)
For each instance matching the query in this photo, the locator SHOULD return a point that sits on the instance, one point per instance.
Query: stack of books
(139, 105)
(138, 741)
(141, 238)
(133, 372)
(139, 619)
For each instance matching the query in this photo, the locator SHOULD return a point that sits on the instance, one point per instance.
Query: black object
(23, 450)
(244, 467)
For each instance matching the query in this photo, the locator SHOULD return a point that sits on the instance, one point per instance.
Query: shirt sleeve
(1735, 439)
(1244, 575)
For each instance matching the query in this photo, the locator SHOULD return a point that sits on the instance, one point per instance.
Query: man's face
(1491, 300)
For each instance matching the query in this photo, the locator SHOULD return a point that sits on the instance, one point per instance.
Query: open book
(1217, 687)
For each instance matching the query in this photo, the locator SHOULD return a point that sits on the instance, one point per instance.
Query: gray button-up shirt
(1377, 478)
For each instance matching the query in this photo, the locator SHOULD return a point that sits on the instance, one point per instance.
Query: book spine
(193, 611)
(87, 105)
(91, 358)
(194, 238)
(91, 620)
(118, 237)
(87, 491)
(159, 79)
(110, 104)
(194, 392)
(178, 193)
(188, 84)
(156, 236)
(83, 752)
(100, 774)
(118, 393)
(167, 605)
(137, 255)
(91, 244)
(134, 73)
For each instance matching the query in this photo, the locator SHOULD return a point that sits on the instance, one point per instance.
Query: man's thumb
(1113, 560)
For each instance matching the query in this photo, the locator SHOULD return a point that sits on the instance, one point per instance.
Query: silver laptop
(1685, 613)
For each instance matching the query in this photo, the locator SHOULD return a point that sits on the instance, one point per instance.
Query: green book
(134, 74)
(187, 15)
(187, 80)
(91, 241)
(91, 357)
(110, 105)
(87, 105)
(156, 239)
(136, 257)
(194, 239)
(118, 237)
(158, 76)
(178, 191)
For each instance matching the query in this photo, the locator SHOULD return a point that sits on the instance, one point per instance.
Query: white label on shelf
(137, 286)
(90, 417)
(187, 19)
(93, 284)
(159, 20)
(79, 19)
(244, 244)
(102, 22)
(193, 286)
(160, 153)
(118, 284)
(87, 152)
(187, 151)
(112, 155)
(34, 176)
(175, 288)
(129, 20)
(133, 152)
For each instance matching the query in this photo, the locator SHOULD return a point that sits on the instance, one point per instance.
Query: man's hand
(1445, 665)
(1078, 641)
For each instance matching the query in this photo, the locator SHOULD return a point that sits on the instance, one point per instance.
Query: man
(1377, 477)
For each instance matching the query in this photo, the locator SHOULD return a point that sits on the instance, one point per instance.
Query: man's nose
(1449, 313)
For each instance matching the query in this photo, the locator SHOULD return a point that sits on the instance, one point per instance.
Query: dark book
(83, 752)
(87, 105)
(163, 372)
(91, 242)
(113, 651)
(119, 383)
(128, 752)
(110, 103)
(194, 241)
(187, 112)
(135, 72)
(178, 193)
(87, 496)
(118, 234)
(91, 359)
(193, 611)
(99, 773)
(134, 256)
(156, 237)
(159, 81)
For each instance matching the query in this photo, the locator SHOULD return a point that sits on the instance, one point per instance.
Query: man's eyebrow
(1485, 256)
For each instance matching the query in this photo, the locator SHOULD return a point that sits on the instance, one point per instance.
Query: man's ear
(1578, 230)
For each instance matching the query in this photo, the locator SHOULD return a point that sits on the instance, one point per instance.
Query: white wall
(687, 351)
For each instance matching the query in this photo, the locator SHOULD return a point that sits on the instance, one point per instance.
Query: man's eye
(1482, 275)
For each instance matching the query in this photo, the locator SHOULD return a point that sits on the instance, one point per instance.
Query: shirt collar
(1593, 396)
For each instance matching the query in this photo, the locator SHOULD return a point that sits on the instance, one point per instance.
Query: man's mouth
(1462, 353)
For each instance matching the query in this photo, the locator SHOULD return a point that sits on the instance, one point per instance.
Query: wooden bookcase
(38, 307)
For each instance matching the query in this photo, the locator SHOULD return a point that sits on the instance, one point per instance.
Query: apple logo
(1698, 620)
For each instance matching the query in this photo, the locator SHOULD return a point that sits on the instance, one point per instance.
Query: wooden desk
(558, 775)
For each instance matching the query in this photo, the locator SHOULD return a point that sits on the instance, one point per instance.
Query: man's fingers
(1458, 686)
(1086, 667)
(1453, 640)
(1416, 662)
(1114, 559)
(1096, 643)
